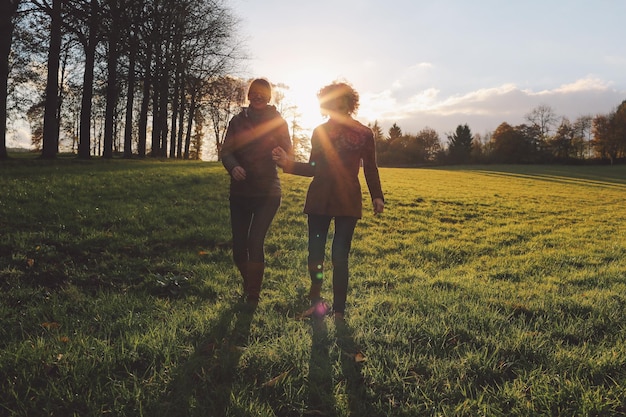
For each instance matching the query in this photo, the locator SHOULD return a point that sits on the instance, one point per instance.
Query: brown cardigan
(337, 150)
(250, 138)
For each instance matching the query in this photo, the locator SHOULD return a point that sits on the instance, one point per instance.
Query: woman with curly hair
(338, 149)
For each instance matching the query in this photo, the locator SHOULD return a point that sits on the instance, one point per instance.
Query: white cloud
(486, 108)
(423, 101)
(584, 84)
(377, 106)
(421, 66)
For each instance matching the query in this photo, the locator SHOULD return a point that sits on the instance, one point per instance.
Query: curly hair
(336, 90)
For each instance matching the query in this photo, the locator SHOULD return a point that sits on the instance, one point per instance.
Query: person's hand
(238, 173)
(279, 156)
(379, 205)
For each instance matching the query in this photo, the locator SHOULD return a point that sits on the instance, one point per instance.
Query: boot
(315, 291)
(316, 273)
(243, 270)
(319, 308)
(255, 280)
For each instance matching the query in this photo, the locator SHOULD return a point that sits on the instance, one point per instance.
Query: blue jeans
(250, 219)
(342, 242)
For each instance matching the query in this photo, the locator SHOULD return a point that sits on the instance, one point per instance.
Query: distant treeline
(153, 78)
(546, 138)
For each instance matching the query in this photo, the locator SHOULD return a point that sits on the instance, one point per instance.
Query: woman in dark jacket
(255, 192)
(338, 147)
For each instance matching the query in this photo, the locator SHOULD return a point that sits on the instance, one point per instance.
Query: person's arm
(227, 154)
(290, 166)
(284, 139)
(372, 177)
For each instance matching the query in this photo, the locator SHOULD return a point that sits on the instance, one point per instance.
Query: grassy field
(481, 291)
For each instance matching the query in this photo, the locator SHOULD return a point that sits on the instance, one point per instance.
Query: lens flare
(321, 309)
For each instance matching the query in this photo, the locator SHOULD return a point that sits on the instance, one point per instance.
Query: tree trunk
(156, 141)
(84, 141)
(111, 93)
(192, 111)
(145, 104)
(181, 122)
(130, 99)
(85, 108)
(50, 120)
(8, 8)
(143, 118)
(175, 109)
(156, 112)
(162, 119)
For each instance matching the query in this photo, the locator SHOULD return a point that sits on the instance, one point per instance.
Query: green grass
(491, 290)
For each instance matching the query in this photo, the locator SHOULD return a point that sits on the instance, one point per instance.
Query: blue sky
(439, 63)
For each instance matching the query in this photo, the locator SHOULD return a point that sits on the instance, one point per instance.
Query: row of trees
(545, 138)
(106, 74)
(151, 77)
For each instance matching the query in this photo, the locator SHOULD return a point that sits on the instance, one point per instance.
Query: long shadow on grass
(202, 385)
(352, 360)
(322, 391)
(321, 398)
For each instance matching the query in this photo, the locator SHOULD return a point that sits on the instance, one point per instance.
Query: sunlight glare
(302, 92)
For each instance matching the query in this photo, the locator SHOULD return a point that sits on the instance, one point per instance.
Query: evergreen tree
(460, 145)
(394, 132)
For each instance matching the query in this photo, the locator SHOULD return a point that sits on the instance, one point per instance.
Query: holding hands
(279, 156)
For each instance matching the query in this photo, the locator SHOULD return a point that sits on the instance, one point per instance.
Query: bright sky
(442, 63)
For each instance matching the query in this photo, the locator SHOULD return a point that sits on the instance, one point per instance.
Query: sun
(300, 93)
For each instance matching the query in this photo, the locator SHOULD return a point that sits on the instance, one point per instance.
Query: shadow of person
(352, 359)
(202, 385)
(326, 390)
(321, 399)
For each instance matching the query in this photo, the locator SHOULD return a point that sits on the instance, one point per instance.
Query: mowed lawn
(481, 290)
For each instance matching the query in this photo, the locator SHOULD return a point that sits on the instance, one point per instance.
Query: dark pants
(250, 219)
(342, 241)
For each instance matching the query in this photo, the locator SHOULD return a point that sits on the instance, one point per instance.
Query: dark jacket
(336, 153)
(250, 138)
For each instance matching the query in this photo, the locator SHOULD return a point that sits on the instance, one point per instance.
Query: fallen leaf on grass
(358, 357)
(50, 325)
(276, 379)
